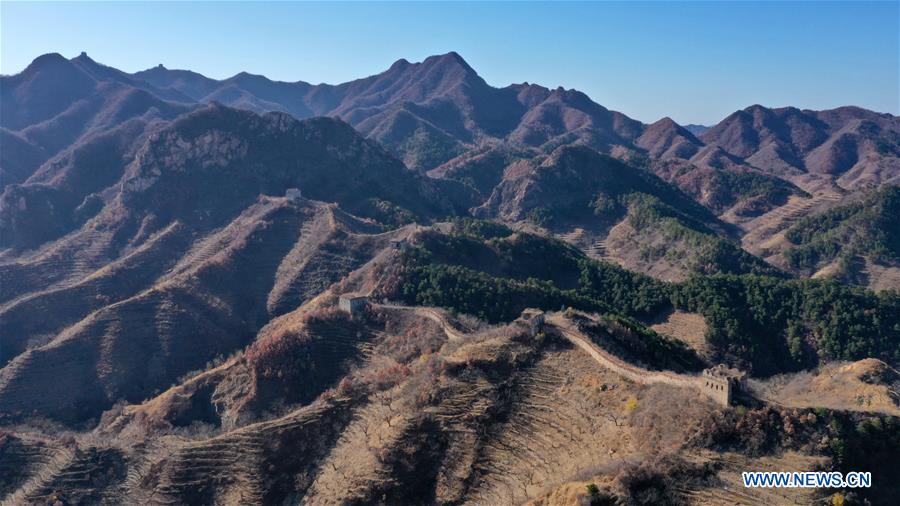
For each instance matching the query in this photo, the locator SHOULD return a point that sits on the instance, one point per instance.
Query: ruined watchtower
(293, 194)
(724, 383)
(534, 320)
(353, 304)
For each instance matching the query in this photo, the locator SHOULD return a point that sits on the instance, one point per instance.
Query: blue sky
(693, 61)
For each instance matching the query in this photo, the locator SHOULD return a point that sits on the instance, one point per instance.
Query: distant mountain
(425, 112)
(482, 168)
(696, 129)
(56, 104)
(196, 153)
(724, 186)
(19, 157)
(667, 139)
(753, 160)
(854, 146)
(565, 186)
(431, 112)
(232, 151)
(51, 85)
(617, 212)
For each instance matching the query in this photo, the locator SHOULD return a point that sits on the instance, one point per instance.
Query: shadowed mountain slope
(238, 153)
(567, 182)
(186, 243)
(55, 103)
(617, 212)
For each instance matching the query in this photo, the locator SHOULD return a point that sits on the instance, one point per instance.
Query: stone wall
(720, 389)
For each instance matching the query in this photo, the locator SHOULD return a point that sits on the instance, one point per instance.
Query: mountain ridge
(442, 101)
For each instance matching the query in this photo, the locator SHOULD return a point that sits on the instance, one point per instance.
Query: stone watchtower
(293, 194)
(353, 304)
(723, 383)
(534, 320)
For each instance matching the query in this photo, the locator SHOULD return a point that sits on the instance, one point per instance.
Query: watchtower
(724, 383)
(353, 304)
(293, 194)
(534, 320)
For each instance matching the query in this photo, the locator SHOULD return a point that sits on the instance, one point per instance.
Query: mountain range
(433, 114)
(173, 249)
(442, 102)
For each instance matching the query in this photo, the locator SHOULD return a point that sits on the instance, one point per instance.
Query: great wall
(719, 383)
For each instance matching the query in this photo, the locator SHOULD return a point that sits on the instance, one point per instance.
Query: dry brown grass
(868, 385)
(689, 328)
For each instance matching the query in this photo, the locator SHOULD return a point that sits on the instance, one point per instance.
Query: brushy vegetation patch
(773, 325)
(426, 148)
(490, 298)
(870, 227)
(480, 229)
(709, 253)
(750, 184)
(595, 187)
(517, 256)
(385, 212)
(659, 479)
(287, 365)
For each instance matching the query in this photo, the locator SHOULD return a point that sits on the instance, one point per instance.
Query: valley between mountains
(178, 255)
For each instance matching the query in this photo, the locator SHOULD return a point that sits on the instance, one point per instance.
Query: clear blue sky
(693, 61)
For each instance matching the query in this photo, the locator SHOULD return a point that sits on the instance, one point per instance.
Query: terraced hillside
(515, 416)
(853, 239)
(483, 417)
(763, 232)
